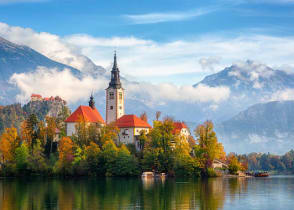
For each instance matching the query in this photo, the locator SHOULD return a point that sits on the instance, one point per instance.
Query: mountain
(18, 59)
(21, 59)
(264, 127)
(249, 83)
(251, 78)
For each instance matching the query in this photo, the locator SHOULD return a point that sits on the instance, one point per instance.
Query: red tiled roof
(87, 114)
(178, 126)
(131, 121)
(36, 95)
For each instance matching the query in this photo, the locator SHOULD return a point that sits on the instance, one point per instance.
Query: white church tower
(115, 107)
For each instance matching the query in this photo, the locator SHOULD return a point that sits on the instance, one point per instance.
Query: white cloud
(255, 139)
(209, 63)
(51, 82)
(140, 58)
(161, 93)
(166, 17)
(283, 95)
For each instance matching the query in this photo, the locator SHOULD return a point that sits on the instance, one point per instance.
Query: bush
(187, 166)
(210, 172)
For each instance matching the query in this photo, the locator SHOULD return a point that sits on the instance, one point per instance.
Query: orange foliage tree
(66, 153)
(9, 141)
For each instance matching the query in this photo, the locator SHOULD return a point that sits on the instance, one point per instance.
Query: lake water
(276, 192)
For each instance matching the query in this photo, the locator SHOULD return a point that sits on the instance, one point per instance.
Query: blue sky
(178, 41)
(122, 18)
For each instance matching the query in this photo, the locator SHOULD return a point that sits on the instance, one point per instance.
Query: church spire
(115, 78)
(92, 102)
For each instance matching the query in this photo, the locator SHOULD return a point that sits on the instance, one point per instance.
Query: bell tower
(115, 106)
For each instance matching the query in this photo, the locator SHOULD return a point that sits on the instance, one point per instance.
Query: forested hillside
(13, 115)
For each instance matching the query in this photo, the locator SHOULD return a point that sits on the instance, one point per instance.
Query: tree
(144, 117)
(37, 161)
(32, 128)
(234, 165)
(159, 148)
(50, 135)
(93, 154)
(208, 143)
(142, 139)
(109, 153)
(66, 154)
(9, 141)
(125, 163)
(157, 115)
(21, 157)
(107, 133)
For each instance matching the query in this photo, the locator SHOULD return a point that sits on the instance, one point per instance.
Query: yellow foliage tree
(66, 150)
(208, 143)
(9, 141)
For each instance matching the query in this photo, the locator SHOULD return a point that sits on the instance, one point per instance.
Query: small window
(111, 95)
(111, 107)
(120, 107)
(120, 96)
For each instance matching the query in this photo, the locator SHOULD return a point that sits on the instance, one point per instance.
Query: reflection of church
(130, 125)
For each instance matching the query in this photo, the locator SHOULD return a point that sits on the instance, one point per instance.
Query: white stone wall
(114, 104)
(129, 135)
(185, 132)
(70, 128)
(126, 135)
(138, 131)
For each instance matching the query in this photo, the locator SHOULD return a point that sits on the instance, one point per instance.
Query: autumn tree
(158, 153)
(144, 117)
(157, 115)
(208, 146)
(107, 133)
(9, 141)
(50, 135)
(66, 154)
(234, 165)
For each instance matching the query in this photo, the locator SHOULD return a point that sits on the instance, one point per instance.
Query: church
(130, 126)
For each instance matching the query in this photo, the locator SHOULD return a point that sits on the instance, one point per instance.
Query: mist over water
(133, 193)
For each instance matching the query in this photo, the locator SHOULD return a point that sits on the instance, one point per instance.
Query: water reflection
(113, 193)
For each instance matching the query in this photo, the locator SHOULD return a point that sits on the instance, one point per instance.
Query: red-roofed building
(182, 129)
(36, 97)
(131, 127)
(88, 114)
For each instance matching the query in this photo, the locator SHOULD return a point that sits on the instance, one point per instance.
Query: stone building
(130, 128)
(180, 128)
(88, 114)
(115, 107)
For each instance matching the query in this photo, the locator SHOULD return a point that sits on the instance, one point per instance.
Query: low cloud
(283, 95)
(161, 93)
(51, 82)
(150, 18)
(63, 83)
